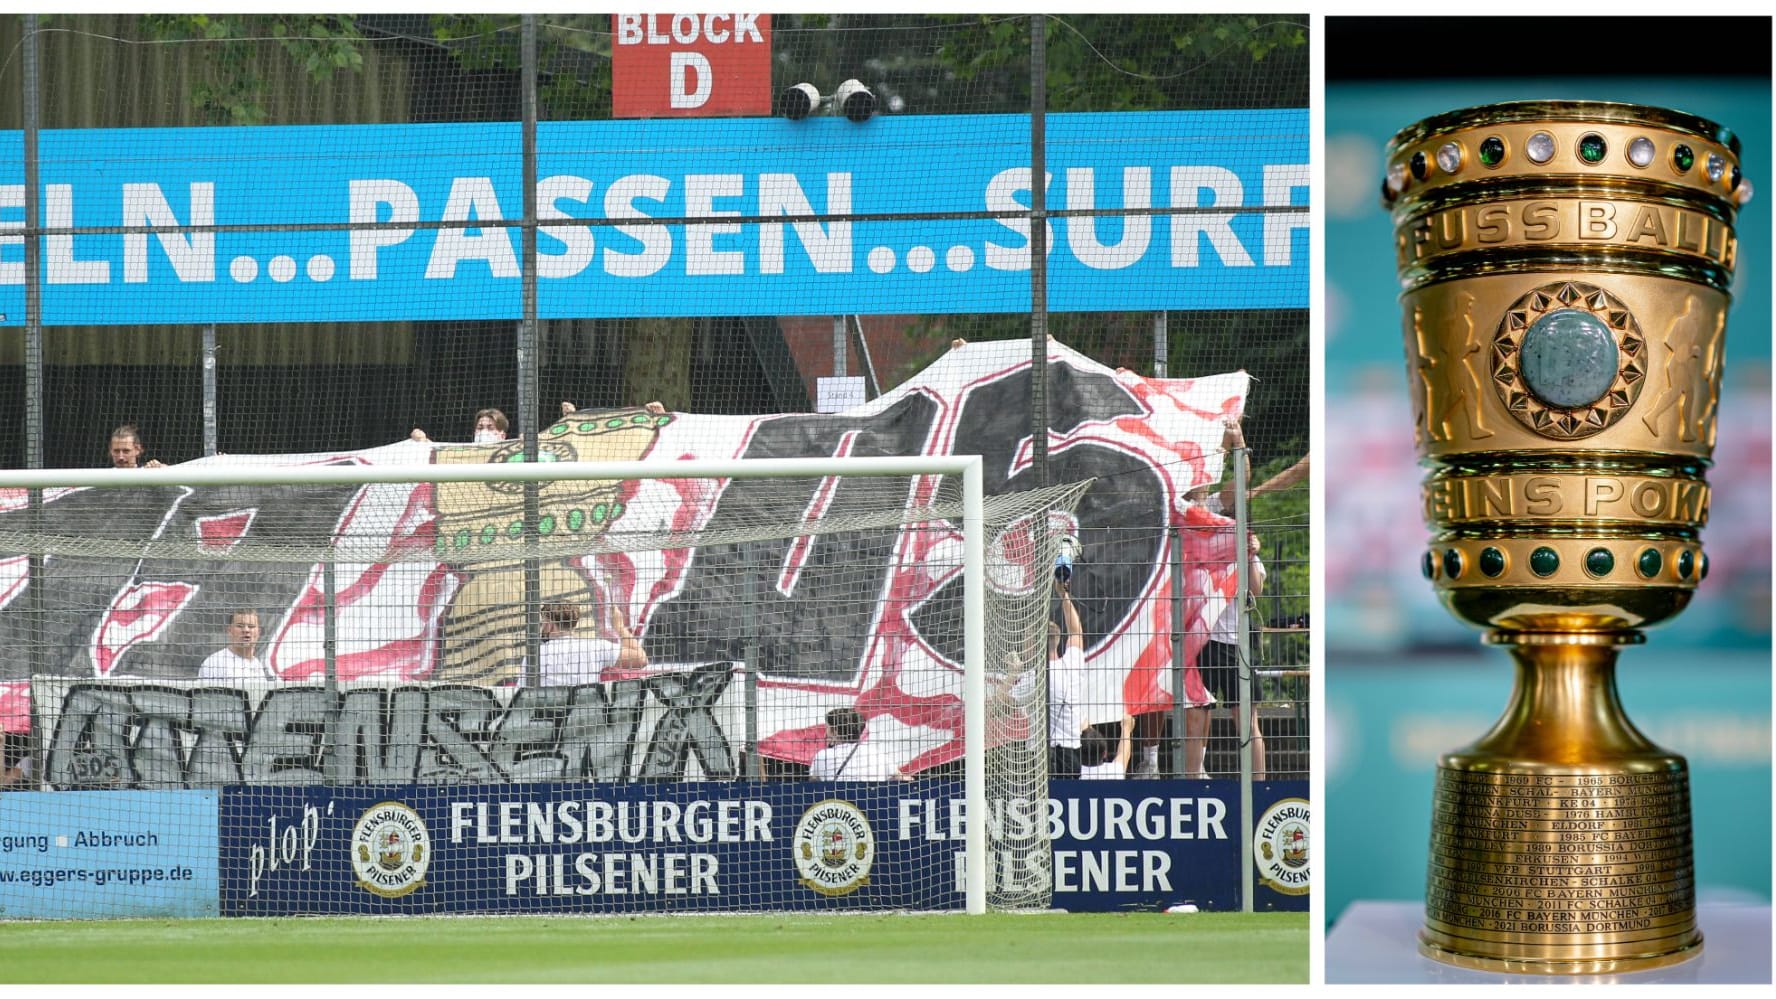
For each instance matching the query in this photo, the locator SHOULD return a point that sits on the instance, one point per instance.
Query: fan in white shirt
(240, 660)
(847, 756)
(569, 659)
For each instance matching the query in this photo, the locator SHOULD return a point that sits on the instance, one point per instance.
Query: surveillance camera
(797, 102)
(854, 101)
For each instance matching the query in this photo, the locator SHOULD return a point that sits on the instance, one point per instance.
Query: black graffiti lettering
(458, 721)
(219, 722)
(598, 737)
(376, 738)
(689, 725)
(157, 715)
(114, 736)
(527, 744)
(288, 738)
(88, 748)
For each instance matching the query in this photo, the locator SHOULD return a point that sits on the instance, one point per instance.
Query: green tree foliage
(232, 89)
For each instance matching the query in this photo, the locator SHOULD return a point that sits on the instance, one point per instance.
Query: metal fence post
(1244, 709)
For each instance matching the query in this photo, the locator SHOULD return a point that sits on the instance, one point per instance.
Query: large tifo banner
(861, 632)
(693, 217)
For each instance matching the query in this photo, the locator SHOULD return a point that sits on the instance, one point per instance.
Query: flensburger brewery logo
(1280, 843)
(834, 847)
(390, 850)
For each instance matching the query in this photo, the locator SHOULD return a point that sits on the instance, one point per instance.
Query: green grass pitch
(1078, 947)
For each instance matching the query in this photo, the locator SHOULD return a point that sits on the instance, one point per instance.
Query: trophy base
(1560, 841)
(1559, 966)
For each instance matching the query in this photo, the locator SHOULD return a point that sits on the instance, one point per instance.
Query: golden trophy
(1565, 268)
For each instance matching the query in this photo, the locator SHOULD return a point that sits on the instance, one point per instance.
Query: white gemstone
(1539, 148)
(1449, 157)
(1640, 151)
(1744, 192)
(1716, 166)
(1397, 178)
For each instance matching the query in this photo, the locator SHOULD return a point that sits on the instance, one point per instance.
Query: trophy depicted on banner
(1565, 270)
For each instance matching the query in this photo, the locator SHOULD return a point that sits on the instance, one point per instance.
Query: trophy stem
(1560, 841)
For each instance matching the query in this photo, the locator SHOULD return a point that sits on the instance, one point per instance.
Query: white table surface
(1377, 943)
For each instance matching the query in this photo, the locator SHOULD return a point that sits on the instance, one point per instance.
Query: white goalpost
(410, 619)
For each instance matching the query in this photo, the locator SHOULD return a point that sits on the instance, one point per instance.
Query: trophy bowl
(1565, 269)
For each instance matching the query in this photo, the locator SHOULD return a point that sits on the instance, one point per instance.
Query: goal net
(441, 679)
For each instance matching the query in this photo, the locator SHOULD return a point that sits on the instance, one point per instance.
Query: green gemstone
(1492, 561)
(1600, 561)
(1686, 563)
(599, 512)
(586, 428)
(558, 429)
(1544, 561)
(1492, 151)
(617, 510)
(1683, 157)
(576, 519)
(1734, 186)
(515, 457)
(488, 534)
(546, 524)
(1421, 167)
(1592, 147)
(462, 538)
(1429, 565)
(641, 418)
(1704, 574)
(613, 424)
(1651, 562)
(515, 528)
(1452, 564)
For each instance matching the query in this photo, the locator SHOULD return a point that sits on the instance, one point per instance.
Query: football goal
(438, 679)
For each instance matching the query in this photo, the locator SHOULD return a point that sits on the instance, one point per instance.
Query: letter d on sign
(683, 64)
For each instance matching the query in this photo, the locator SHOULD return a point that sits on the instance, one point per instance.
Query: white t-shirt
(225, 665)
(570, 660)
(1066, 694)
(1103, 771)
(869, 762)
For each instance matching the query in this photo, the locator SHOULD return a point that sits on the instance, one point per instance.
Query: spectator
(846, 756)
(240, 660)
(490, 426)
(1104, 758)
(1220, 500)
(572, 659)
(126, 448)
(1219, 662)
(1066, 687)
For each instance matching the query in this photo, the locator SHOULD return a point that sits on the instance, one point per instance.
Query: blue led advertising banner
(684, 217)
(711, 846)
